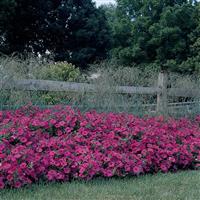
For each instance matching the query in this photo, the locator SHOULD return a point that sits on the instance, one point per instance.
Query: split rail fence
(161, 90)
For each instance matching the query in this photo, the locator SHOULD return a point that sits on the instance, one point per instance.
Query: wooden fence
(162, 91)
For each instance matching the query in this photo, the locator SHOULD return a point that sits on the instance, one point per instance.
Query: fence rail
(161, 90)
(60, 86)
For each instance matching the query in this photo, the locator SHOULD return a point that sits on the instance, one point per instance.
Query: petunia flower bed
(60, 144)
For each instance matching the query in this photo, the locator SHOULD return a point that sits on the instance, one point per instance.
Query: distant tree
(6, 13)
(72, 30)
(160, 31)
(6, 10)
(120, 28)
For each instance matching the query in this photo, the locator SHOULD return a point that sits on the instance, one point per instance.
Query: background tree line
(161, 33)
(73, 30)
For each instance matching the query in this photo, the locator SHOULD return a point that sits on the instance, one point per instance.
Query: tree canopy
(165, 32)
(72, 30)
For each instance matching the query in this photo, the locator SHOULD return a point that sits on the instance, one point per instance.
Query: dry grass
(103, 99)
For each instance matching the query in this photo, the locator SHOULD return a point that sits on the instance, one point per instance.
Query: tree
(157, 31)
(6, 12)
(72, 30)
(121, 29)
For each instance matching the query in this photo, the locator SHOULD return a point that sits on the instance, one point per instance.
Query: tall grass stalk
(109, 76)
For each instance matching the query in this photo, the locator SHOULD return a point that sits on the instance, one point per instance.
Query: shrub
(59, 144)
(60, 71)
(35, 68)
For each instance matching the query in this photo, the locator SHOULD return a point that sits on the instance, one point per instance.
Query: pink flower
(2, 185)
(23, 140)
(52, 153)
(6, 166)
(164, 168)
(17, 184)
(23, 165)
(172, 159)
(136, 170)
(52, 121)
(40, 143)
(51, 175)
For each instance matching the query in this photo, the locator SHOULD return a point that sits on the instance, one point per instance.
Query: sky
(100, 2)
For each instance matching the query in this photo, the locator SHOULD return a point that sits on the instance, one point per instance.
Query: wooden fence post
(162, 101)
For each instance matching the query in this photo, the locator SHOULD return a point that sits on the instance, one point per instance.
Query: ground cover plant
(61, 144)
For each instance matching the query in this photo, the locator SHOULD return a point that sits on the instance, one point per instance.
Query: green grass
(179, 186)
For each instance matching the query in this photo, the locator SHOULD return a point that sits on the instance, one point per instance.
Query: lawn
(179, 186)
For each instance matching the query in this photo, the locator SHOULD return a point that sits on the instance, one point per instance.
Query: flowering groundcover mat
(61, 144)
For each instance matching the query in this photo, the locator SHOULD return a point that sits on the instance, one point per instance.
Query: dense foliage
(156, 31)
(59, 144)
(60, 71)
(74, 31)
(162, 33)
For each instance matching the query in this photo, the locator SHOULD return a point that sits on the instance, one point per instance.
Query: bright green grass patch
(180, 186)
